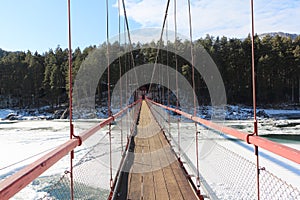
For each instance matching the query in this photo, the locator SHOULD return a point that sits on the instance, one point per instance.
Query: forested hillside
(31, 79)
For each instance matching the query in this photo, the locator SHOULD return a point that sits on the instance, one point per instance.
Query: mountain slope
(281, 34)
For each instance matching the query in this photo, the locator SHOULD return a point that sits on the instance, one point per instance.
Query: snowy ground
(27, 140)
(231, 113)
(22, 142)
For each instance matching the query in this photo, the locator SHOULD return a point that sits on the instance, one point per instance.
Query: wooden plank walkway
(153, 169)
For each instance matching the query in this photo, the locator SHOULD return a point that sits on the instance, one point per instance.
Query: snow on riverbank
(32, 139)
(232, 112)
(23, 114)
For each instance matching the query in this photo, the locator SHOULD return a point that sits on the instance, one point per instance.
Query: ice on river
(26, 141)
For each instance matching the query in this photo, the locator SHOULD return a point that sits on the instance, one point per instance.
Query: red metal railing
(276, 148)
(16, 182)
(13, 184)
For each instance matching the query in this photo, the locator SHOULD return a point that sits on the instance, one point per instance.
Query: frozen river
(22, 142)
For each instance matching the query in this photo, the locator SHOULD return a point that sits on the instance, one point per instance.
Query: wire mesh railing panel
(59, 187)
(227, 165)
(52, 184)
(229, 175)
(274, 188)
(92, 166)
(91, 173)
(234, 162)
(94, 163)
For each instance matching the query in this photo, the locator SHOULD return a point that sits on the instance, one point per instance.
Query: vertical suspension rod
(195, 100)
(253, 63)
(254, 97)
(108, 93)
(70, 100)
(176, 77)
(192, 57)
(126, 84)
(120, 75)
(168, 77)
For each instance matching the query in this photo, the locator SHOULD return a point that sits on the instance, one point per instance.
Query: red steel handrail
(13, 184)
(274, 147)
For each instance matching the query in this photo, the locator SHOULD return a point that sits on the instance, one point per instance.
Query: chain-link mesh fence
(91, 164)
(227, 165)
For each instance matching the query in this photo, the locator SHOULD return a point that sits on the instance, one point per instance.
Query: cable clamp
(112, 117)
(247, 137)
(79, 139)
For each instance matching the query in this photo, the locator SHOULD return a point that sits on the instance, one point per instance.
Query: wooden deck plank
(160, 186)
(171, 183)
(149, 189)
(181, 179)
(155, 172)
(134, 190)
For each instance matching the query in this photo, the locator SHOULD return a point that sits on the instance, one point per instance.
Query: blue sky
(42, 24)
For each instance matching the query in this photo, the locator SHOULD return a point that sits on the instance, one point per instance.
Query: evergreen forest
(31, 79)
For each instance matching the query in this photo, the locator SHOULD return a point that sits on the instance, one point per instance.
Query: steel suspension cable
(194, 95)
(160, 43)
(176, 77)
(70, 100)
(126, 85)
(161, 81)
(254, 96)
(129, 40)
(168, 79)
(108, 93)
(126, 22)
(120, 75)
(192, 56)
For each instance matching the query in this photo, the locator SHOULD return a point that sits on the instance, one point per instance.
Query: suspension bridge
(157, 157)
